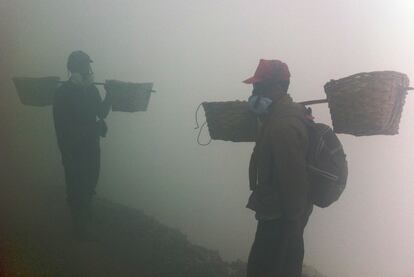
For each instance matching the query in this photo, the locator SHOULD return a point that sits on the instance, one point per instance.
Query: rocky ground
(35, 240)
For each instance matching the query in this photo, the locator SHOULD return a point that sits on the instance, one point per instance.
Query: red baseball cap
(269, 70)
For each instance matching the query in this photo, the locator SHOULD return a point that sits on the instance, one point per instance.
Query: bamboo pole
(312, 102)
(97, 84)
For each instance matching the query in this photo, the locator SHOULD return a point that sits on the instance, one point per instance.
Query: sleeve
(289, 148)
(253, 169)
(102, 111)
(103, 106)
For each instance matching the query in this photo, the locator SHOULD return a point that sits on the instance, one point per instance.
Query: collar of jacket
(286, 107)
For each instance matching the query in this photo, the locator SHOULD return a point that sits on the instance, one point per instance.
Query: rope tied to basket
(200, 128)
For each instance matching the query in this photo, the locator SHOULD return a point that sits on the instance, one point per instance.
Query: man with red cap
(278, 175)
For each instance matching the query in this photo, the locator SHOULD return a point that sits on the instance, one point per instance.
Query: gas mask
(80, 80)
(259, 104)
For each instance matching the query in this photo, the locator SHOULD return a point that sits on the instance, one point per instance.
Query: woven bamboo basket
(37, 92)
(231, 121)
(129, 97)
(367, 103)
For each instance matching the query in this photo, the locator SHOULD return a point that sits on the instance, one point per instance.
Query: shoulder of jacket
(64, 93)
(64, 87)
(288, 120)
(287, 127)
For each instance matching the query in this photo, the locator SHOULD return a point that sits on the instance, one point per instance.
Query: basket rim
(390, 73)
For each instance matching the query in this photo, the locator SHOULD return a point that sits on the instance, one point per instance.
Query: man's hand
(102, 128)
(108, 93)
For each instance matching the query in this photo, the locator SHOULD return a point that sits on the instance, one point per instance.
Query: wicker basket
(37, 92)
(367, 103)
(231, 121)
(129, 97)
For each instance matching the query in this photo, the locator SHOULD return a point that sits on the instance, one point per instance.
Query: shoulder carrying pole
(98, 84)
(320, 101)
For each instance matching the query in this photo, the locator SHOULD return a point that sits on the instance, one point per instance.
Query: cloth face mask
(259, 104)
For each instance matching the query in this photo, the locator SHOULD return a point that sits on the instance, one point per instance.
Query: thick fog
(198, 51)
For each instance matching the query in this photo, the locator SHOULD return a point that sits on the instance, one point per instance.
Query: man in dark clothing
(278, 175)
(78, 113)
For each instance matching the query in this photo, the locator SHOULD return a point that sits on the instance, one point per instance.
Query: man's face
(272, 90)
(81, 66)
(85, 68)
(263, 89)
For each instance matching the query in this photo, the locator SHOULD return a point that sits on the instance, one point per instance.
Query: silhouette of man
(278, 175)
(78, 113)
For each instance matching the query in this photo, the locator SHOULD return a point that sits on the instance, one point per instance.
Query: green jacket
(278, 168)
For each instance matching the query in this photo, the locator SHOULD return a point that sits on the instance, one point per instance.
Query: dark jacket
(76, 113)
(278, 171)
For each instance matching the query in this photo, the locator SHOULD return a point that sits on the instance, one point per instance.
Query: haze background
(198, 51)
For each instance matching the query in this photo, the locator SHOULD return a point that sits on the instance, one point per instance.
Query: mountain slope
(35, 240)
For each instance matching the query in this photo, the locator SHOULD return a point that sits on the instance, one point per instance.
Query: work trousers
(81, 175)
(278, 249)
